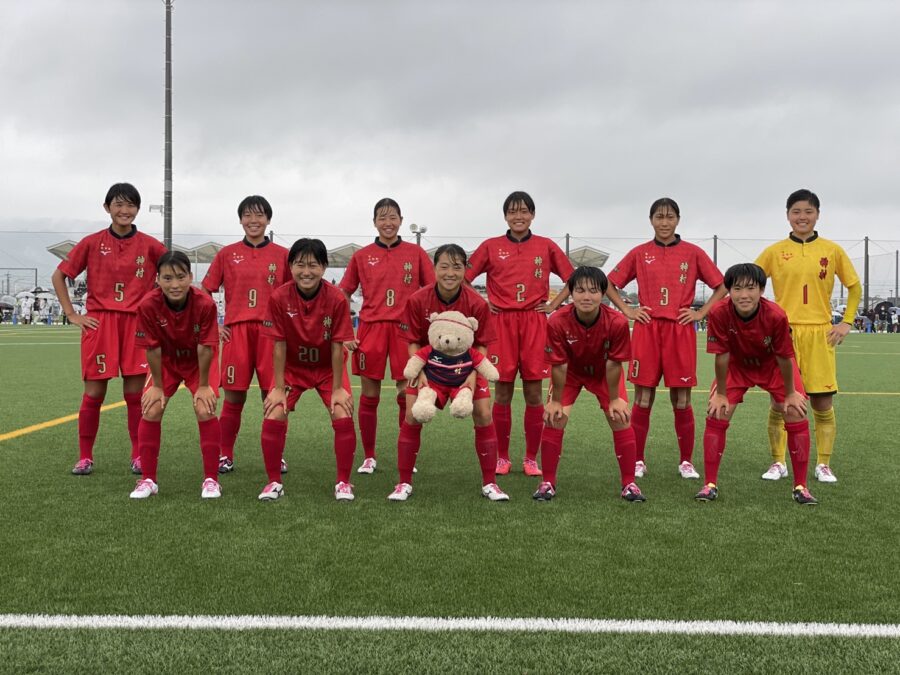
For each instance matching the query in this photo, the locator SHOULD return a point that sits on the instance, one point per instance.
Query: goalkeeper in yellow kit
(802, 268)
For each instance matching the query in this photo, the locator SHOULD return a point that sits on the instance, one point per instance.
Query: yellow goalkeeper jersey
(803, 274)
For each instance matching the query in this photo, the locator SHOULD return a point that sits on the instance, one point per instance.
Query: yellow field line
(52, 423)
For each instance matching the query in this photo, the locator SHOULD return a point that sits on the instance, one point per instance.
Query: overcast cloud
(595, 108)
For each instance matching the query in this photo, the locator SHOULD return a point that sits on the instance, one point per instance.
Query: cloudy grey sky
(596, 108)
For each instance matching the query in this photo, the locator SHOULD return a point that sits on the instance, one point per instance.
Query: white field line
(440, 625)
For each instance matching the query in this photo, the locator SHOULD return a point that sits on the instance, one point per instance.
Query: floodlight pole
(167, 178)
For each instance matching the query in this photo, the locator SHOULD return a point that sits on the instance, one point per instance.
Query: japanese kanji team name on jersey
(803, 276)
(121, 270)
(586, 349)
(518, 272)
(177, 332)
(666, 275)
(751, 343)
(250, 274)
(308, 326)
(426, 301)
(389, 275)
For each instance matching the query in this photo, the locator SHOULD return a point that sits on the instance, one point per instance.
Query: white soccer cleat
(687, 470)
(776, 472)
(343, 492)
(368, 466)
(211, 489)
(640, 469)
(493, 492)
(271, 492)
(401, 492)
(144, 488)
(824, 474)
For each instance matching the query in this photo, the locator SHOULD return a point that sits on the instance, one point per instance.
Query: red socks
(407, 449)
(684, 430)
(148, 444)
(534, 427)
(401, 404)
(133, 406)
(88, 423)
(344, 447)
(625, 448)
(210, 446)
(230, 425)
(502, 414)
(274, 433)
(640, 423)
(551, 450)
(368, 423)
(486, 449)
(714, 447)
(798, 446)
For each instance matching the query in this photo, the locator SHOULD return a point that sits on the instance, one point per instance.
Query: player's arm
(340, 397)
(839, 331)
(154, 394)
(62, 293)
(553, 409)
(277, 395)
(552, 306)
(718, 407)
(633, 313)
(205, 397)
(618, 407)
(687, 315)
(792, 398)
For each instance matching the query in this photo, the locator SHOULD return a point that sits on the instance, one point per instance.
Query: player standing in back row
(667, 270)
(249, 270)
(389, 271)
(121, 269)
(518, 265)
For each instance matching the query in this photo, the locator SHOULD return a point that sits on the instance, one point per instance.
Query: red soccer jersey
(586, 349)
(308, 327)
(389, 275)
(752, 343)
(518, 272)
(250, 274)
(666, 275)
(426, 301)
(177, 332)
(120, 269)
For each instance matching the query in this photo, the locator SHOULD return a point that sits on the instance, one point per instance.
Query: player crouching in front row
(751, 339)
(586, 345)
(178, 328)
(309, 321)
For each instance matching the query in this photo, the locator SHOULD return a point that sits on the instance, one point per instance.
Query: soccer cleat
(144, 488)
(343, 492)
(211, 489)
(84, 467)
(271, 492)
(401, 492)
(824, 474)
(368, 466)
(687, 470)
(531, 468)
(503, 467)
(632, 493)
(493, 492)
(640, 469)
(802, 496)
(544, 493)
(136, 466)
(283, 465)
(708, 493)
(776, 472)
(226, 465)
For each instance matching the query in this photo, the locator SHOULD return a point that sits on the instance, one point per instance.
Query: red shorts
(521, 339)
(575, 383)
(445, 393)
(247, 351)
(111, 348)
(319, 379)
(176, 371)
(739, 380)
(377, 341)
(649, 342)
